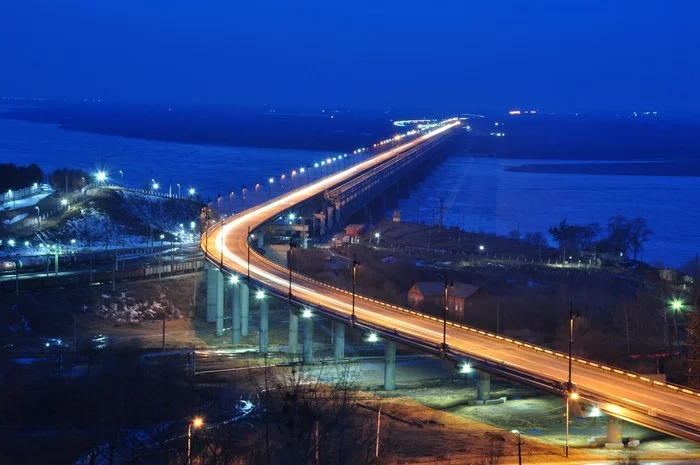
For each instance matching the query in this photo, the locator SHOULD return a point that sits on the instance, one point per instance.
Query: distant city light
(26, 243)
(11, 242)
(482, 248)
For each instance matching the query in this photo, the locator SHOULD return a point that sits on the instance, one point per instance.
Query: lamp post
(255, 193)
(38, 216)
(292, 246)
(230, 201)
(355, 263)
(269, 188)
(243, 191)
(570, 393)
(444, 316)
(248, 275)
(179, 190)
(191, 191)
(197, 422)
(520, 452)
(121, 173)
(676, 305)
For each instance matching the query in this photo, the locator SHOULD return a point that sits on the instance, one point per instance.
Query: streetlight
(244, 189)
(307, 313)
(676, 305)
(121, 173)
(178, 190)
(38, 215)
(269, 192)
(481, 248)
(377, 236)
(196, 423)
(155, 184)
(260, 294)
(255, 193)
(372, 337)
(444, 316)
(355, 263)
(64, 202)
(160, 265)
(520, 453)
(570, 392)
(292, 246)
(101, 176)
(191, 191)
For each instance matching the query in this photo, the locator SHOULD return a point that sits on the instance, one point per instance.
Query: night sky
(442, 55)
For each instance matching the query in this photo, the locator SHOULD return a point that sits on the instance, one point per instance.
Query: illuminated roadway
(667, 408)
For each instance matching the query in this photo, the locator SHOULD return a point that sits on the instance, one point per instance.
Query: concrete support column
(389, 365)
(338, 341)
(293, 333)
(215, 296)
(614, 431)
(483, 386)
(261, 239)
(244, 294)
(337, 213)
(264, 325)
(304, 240)
(220, 305)
(235, 315)
(330, 216)
(308, 345)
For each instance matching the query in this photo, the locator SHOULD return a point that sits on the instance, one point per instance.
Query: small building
(354, 231)
(460, 296)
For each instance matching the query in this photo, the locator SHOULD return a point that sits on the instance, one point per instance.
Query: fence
(20, 193)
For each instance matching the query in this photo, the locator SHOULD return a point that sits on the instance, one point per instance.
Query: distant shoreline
(683, 168)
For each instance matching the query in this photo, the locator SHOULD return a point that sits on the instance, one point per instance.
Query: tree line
(13, 177)
(621, 236)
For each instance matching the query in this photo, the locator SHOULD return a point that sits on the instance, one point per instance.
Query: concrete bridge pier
(304, 239)
(261, 239)
(321, 218)
(337, 214)
(308, 343)
(215, 298)
(614, 437)
(483, 385)
(338, 341)
(264, 325)
(293, 333)
(244, 294)
(235, 316)
(389, 366)
(330, 216)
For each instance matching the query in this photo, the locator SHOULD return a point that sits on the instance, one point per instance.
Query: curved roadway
(670, 409)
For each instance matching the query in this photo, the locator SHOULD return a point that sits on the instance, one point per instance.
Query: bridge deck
(670, 409)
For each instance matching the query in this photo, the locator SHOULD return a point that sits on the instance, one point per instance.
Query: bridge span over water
(671, 409)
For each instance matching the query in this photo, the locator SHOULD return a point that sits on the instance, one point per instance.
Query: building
(430, 295)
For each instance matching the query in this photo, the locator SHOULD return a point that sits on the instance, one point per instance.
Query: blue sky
(443, 55)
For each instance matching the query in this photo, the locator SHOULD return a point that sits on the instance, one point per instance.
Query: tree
(639, 234)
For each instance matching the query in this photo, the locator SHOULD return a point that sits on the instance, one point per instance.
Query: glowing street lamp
(373, 337)
(676, 305)
(121, 173)
(260, 294)
(234, 279)
(64, 202)
(191, 191)
(307, 313)
(196, 423)
(101, 176)
(269, 188)
(481, 248)
(465, 368)
(377, 236)
(520, 454)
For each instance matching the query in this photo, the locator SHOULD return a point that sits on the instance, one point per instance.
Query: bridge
(623, 395)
